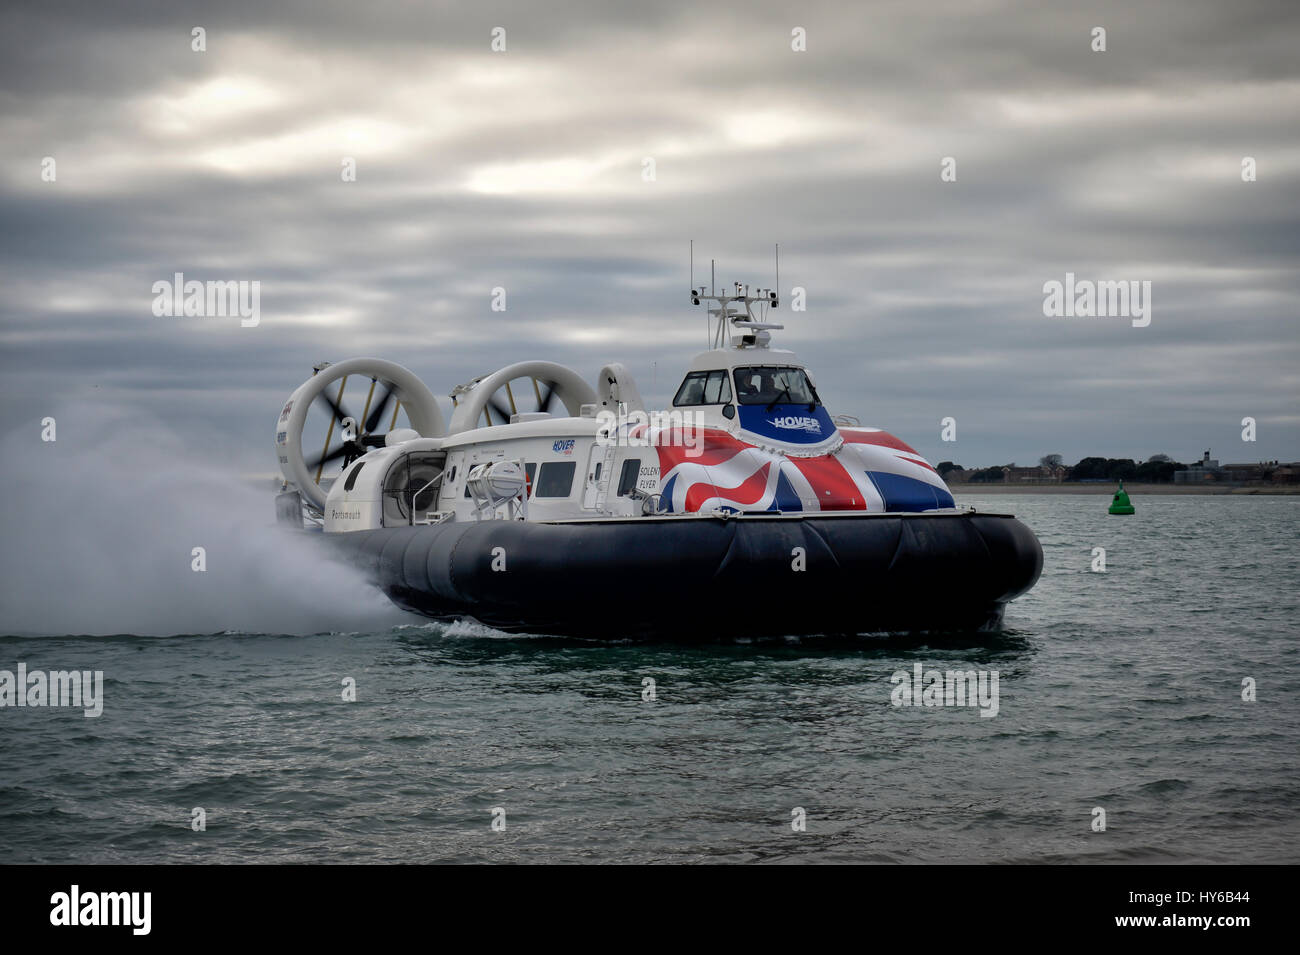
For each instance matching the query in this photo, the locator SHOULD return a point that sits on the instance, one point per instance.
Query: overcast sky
(524, 169)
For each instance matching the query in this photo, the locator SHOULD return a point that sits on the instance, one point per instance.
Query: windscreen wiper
(777, 400)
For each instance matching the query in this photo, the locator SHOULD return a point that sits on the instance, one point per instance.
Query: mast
(726, 309)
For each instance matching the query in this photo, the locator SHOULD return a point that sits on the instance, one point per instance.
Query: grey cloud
(925, 297)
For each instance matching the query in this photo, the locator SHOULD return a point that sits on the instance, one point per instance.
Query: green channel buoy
(1121, 504)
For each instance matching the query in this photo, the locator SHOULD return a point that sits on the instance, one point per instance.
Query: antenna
(754, 332)
(778, 271)
(692, 263)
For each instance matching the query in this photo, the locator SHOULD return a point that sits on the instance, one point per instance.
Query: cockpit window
(765, 385)
(704, 388)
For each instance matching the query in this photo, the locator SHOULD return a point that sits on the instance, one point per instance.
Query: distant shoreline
(1107, 488)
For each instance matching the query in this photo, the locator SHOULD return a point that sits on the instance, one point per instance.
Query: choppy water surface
(1119, 690)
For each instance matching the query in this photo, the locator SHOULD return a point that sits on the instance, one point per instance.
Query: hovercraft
(745, 509)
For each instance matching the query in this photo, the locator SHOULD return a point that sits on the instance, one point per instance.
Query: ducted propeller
(392, 390)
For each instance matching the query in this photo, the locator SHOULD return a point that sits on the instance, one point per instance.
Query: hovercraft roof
(732, 357)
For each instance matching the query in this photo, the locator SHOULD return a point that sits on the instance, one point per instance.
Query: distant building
(1262, 472)
(1287, 473)
(1039, 474)
(1207, 469)
(1245, 473)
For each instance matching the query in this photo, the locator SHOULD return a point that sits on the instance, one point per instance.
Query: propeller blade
(377, 411)
(501, 410)
(328, 457)
(546, 393)
(340, 411)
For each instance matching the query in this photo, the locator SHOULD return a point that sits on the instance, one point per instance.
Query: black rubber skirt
(708, 577)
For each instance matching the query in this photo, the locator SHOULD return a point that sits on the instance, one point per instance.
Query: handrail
(435, 480)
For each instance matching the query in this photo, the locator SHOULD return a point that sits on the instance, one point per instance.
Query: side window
(704, 388)
(692, 390)
(555, 479)
(627, 477)
(530, 472)
(717, 390)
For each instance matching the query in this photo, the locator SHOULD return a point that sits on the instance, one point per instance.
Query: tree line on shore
(1157, 469)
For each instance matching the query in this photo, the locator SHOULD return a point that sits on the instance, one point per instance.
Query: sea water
(1146, 712)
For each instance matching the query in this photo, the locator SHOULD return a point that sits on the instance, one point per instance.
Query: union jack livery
(870, 470)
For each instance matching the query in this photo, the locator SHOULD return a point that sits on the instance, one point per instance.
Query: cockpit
(754, 385)
(766, 385)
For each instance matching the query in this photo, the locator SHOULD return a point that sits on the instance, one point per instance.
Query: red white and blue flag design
(870, 471)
